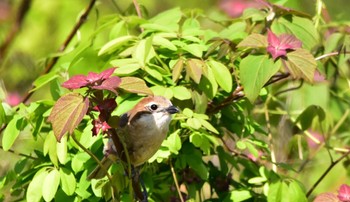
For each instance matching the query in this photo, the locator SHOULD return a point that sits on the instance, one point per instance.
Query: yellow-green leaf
(222, 75)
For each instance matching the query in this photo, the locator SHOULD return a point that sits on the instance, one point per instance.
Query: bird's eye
(154, 107)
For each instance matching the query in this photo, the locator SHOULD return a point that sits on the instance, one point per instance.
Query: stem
(138, 11)
(69, 38)
(176, 182)
(268, 125)
(20, 154)
(16, 26)
(326, 172)
(331, 54)
(92, 156)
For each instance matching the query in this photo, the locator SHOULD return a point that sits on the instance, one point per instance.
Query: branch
(326, 172)
(138, 11)
(175, 181)
(54, 59)
(20, 154)
(16, 26)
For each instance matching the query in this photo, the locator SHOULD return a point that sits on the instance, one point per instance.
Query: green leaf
(208, 126)
(255, 71)
(50, 185)
(163, 91)
(35, 187)
(135, 85)
(241, 145)
(191, 27)
(278, 191)
(113, 45)
(50, 147)
(177, 69)
(196, 139)
(153, 72)
(308, 115)
(68, 182)
(194, 69)
(67, 113)
(173, 142)
(302, 28)
(254, 41)
(144, 51)
(296, 193)
(193, 158)
(238, 195)
(127, 70)
(194, 123)
(43, 80)
(161, 41)
(208, 84)
(181, 93)
(79, 160)
(222, 75)
(301, 64)
(15, 126)
(195, 49)
(2, 114)
(62, 150)
(187, 112)
(166, 21)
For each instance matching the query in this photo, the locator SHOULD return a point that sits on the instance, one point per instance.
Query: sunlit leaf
(161, 41)
(177, 69)
(50, 185)
(222, 75)
(12, 131)
(43, 80)
(115, 44)
(181, 93)
(301, 64)
(194, 69)
(135, 85)
(68, 182)
(62, 150)
(34, 190)
(255, 71)
(254, 41)
(67, 113)
(308, 115)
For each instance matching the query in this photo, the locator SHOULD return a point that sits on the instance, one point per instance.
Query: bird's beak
(172, 110)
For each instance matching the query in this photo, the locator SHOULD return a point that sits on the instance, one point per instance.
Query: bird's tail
(99, 172)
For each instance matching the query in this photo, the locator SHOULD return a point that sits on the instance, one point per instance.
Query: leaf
(302, 28)
(135, 85)
(194, 123)
(208, 126)
(194, 69)
(208, 83)
(181, 93)
(50, 147)
(110, 84)
(67, 113)
(195, 49)
(278, 191)
(68, 182)
(144, 51)
(161, 41)
(43, 80)
(238, 195)
(2, 114)
(34, 190)
(163, 91)
(254, 41)
(12, 131)
(62, 150)
(301, 64)
(308, 115)
(166, 21)
(177, 69)
(222, 75)
(296, 193)
(79, 160)
(255, 71)
(50, 185)
(173, 142)
(115, 44)
(326, 197)
(76, 82)
(153, 72)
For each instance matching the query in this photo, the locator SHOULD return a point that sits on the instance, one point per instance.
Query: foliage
(255, 94)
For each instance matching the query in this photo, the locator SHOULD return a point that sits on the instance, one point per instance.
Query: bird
(143, 130)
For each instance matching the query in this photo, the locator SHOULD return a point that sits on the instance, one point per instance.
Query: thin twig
(290, 89)
(69, 38)
(271, 145)
(19, 154)
(326, 172)
(92, 156)
(138, 11)
(331, 54)
(175, 181)
(16, 26)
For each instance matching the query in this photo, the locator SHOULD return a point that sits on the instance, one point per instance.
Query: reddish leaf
(254, 41)
(107, 73)
(326, 197)
(301, 64)
(75, 82)
(278, 45)
(110, 84)
(344, 193)
(194, 69)
(135, 85)
(67, 113)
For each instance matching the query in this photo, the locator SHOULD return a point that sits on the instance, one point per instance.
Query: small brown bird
(143, 129)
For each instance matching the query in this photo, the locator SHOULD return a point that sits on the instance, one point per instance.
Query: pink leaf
(67, 113)
(110, 84)
(278, 45)
(344, 193)
(326, 197)
(75, 82)
(107, 73)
